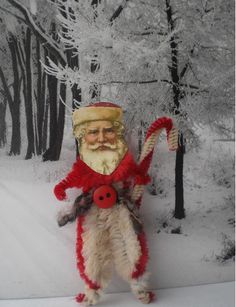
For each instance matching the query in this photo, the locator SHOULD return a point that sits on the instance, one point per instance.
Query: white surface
(214, 295)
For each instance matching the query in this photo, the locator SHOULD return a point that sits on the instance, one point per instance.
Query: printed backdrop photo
(153, 59)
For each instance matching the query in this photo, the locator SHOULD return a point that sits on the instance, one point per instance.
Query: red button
(105, 196)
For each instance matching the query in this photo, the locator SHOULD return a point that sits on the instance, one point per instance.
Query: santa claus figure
(109, 231)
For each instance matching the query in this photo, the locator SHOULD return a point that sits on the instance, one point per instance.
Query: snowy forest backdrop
(154, 58)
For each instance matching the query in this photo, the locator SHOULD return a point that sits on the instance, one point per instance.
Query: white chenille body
(109, 240)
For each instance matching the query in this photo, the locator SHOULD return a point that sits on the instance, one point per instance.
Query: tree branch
(152, 81)
(44, 39)
(182, 73)
(148, 33)
(189, 85)
(118, 11)
(135, 82)
(9, 12)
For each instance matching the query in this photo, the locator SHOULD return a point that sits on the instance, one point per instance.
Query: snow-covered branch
(13, 14)
(118, 11)
(45, 39)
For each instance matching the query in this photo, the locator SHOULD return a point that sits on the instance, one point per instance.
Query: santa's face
(102, 146)
(100, 135)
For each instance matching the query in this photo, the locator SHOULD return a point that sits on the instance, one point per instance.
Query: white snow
(37, 258)
(214, 295)
(33, 6)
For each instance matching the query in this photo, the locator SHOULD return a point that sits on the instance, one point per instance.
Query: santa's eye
(109, 130)
(93, 132)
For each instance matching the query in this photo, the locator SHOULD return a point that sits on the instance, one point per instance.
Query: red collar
(87, 178)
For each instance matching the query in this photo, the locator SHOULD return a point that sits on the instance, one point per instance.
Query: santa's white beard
(103, 161)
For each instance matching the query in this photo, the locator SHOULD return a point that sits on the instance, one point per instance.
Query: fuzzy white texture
(109, 240)
(33, 6)
(109, 237)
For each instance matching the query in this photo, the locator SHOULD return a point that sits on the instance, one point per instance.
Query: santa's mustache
(98, 145)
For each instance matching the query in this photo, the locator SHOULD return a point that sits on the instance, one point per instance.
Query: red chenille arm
(70, 181)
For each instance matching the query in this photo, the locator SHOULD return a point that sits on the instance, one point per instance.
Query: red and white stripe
(146, 155)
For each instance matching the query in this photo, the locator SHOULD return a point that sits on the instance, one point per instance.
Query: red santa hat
(97, 111)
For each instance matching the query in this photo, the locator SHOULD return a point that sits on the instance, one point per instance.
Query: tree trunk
(3, 138)
(14, 103)
(179, 187)
(76, 93)
(44, 101)
(179, 164)
(140, 138)
(60, 121)
(16, 137)
(95, 89)
(52, 83)
(45, 126)
(50, 153)
(57, 112)
(40, 99)
(29, 97)
(15, 115)
(73, 61)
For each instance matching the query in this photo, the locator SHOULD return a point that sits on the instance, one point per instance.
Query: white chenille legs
(128, 252)
(125, 245)
(94, 255)
(107, 236)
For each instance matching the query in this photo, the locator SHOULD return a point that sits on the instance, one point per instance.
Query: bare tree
(13, 99)
(3, 106)
(175, 78)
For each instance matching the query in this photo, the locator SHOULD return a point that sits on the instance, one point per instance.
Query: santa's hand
(59, 192)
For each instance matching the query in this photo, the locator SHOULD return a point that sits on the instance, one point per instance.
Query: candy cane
(148, 149)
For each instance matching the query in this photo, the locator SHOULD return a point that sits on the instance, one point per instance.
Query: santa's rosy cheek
(111, 137)
(90, 138)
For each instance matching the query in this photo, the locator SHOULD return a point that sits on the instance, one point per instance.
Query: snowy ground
(37, 259)
(217, 295)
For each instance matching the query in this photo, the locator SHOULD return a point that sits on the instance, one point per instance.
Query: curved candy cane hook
(148, 149)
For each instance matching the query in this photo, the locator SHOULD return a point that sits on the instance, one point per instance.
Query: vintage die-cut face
(102, 145)
(101, 135)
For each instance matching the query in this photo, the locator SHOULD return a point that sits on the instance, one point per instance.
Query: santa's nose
(101, 137)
